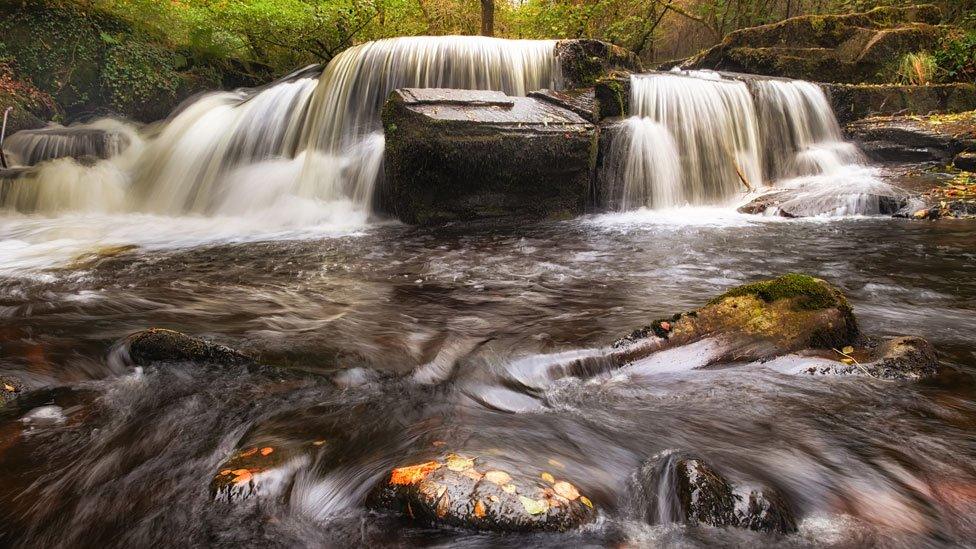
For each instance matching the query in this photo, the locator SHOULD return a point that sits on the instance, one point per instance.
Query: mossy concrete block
(463, 155)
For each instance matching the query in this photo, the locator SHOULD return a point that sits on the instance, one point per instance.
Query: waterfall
(701, 138)
(101, 139)
(311, 142)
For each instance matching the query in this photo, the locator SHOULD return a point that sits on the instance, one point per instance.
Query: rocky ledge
(460, 155)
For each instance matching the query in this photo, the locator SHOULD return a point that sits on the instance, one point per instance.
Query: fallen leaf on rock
(239, 471)
(413, 473)
(498, 477)
(479, 509)
(9, 388)
(249, 453)
(548, 478)
(847, 350)
(318, 442)
(847, 361)
(266, 451)
(566, 490)
(534, 506)
(226, 472)
(472, 474)
(458, 463)
(586, 501)
(243, 477)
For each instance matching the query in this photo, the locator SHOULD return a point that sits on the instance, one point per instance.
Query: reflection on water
(125, 456)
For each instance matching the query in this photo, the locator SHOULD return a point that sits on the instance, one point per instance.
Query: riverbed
(127, 454)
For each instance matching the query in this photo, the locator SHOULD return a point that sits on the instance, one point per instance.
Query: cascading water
(702, 138)
(308, 149)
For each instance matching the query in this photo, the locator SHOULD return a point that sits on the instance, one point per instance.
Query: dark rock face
(844, 48)
(906, 357)
(583, 61)
(965, 161)
(854, 102)
(470, 492)
(613, 96)
(159, 345)
(674, 487)
(581, 101)
(459, 155)
(906, 139)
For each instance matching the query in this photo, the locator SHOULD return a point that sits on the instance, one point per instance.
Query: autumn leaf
(226, 472)
(586, 501)
(566, 490)
(548, 478)
(243, 477)
(9, 388)
(847, 350)
(458, 463)
(534, 506)
(318, 442)
(472, 474)
(266, 451)
(479, 509)
(249, 453)
(413, 474)
(498, 477)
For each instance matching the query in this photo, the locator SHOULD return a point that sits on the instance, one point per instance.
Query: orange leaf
(242, 478)
(479, 509)
(566, 490)
(548, 478)
(239, 471)
(249, 453)
(473, 475)
(266, 451)
(405, 476)
(226, 472)
(498, 477)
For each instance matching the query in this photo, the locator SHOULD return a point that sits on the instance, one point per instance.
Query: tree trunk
(488, 17)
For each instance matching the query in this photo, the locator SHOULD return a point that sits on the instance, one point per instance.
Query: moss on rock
(160, 345)
(807, 293)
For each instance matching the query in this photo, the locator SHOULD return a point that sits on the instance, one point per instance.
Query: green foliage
(957, 57)
(917, 68)
(140, 77)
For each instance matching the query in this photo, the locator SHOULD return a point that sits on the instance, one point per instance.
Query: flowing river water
(864, 461)
(247, 219)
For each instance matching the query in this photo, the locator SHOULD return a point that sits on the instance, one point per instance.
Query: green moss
(810, 293)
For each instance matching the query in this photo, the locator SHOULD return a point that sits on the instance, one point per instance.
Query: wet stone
(161, 345)
(468, 491)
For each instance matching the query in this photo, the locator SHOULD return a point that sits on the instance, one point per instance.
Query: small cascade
(101, 140)
(702, 138)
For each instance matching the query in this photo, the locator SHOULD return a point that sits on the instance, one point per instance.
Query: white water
(300, 156)
(698, 138)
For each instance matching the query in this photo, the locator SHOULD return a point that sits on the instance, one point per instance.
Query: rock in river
(457, 155)
(470, 492)
(161, 345)
(674, 487)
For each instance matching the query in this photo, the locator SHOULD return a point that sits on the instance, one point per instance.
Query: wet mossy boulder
(584, 61)
(676, 487)
(161, 345)
(464, 155)
(852, 48)
(467, 491)
(776, 316)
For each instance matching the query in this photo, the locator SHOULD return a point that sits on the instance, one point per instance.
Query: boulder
(912, 138)
(459, 155)
(583, 61)
(161, 345)
(675, 487)
(851, 48)
(775, 317)
(613, 96)
(582, 101)
(468, 491)
(965, 161)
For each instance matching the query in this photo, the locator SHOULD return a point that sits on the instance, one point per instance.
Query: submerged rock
(469, 492)
(812, 201)
(458, 155)
(965, 161)
(674, 487)
(161, 345)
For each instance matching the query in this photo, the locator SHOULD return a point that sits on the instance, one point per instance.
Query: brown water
(863, 461)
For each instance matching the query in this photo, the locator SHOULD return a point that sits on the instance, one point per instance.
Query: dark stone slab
(462, 155)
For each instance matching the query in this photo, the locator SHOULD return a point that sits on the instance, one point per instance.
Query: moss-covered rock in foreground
(778, 316)
(161, 345)
(470, 491)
